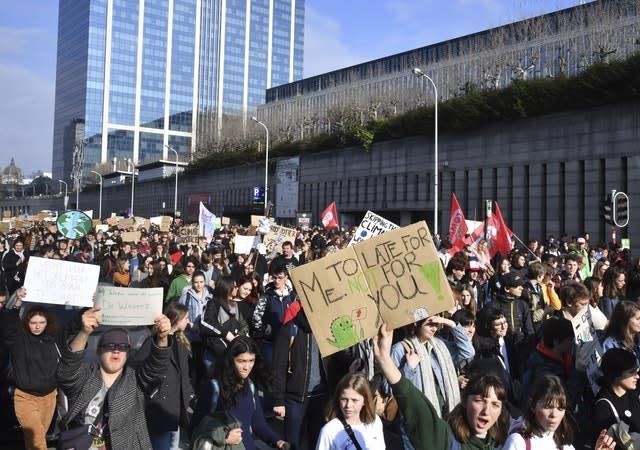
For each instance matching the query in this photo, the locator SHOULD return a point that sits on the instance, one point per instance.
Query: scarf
(450, 390)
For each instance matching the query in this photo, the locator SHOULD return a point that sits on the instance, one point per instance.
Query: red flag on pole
(457, 226)
(329, 217)
(498, 234)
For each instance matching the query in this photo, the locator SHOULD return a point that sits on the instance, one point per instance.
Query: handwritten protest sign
(372, 225)
(124, 224)
(4, 227)
(112, 221)
(102, 227)
(189, 234)
(274, 239)
(244, 244)
(130, 236)
(165, 224)
(588, 348)
(255, 220)
(129, 306)
(225, 221)
(395, 277)
(61, 282)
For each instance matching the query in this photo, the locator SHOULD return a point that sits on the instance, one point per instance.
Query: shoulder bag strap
(349, 431)
(613, 408)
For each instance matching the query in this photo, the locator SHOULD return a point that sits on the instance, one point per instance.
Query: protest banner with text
(276, 236)
(395, 277)
(371, 225)
(129, 306)
(60, 282)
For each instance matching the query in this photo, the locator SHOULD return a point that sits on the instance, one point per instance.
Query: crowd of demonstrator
(233, 363)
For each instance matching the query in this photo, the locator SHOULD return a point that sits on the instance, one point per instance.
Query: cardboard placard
(112, 221)
(278, 234)
(141, 222)
(165, 224)
(129, 306)
(96, 223)
(4, 227)
(17, 224)
(371, 225)
(130, 236)
(189, 234)
(255, 220)
(225, 221)
(43, 215)
(125, 224)
(395, 277)
(60, 282)
(6, 214)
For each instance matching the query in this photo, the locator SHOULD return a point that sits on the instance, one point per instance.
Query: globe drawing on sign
(74, 224)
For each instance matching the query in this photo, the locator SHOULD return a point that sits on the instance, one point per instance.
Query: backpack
(211, 432)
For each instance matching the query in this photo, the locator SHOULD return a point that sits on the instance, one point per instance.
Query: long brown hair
(480, 385)
(359, 383)
(550, 390)
(619, 322)
(175, 312)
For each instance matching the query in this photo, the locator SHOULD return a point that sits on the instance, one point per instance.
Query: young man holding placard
(108, 396)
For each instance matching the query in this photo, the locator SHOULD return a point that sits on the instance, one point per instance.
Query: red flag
(329, 217)
(498, 234)
(457, 226)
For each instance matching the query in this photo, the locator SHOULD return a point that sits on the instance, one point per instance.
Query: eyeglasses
(114, 347)
(281, 277)
(500, 324)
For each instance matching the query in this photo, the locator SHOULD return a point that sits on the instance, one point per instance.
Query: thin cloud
(324, 45)
(26, 124)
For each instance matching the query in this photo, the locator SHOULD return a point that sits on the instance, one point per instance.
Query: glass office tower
(131, 73)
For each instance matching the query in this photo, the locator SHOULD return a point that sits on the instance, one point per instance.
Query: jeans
(169, 440)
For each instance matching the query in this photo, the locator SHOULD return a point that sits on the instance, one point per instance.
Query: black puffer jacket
(34, 358)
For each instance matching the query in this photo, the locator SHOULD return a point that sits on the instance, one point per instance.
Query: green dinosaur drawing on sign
(343, 332)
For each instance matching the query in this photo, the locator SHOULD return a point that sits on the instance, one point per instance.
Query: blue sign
(257, 195)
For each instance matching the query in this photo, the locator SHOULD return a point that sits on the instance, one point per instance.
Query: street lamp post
(132, 167)
(175, 195)
(419, 73)
(266, 162)
(100, 202)
(66, 191)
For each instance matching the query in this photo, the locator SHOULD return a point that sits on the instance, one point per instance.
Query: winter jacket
(196, 305)
(214, 334)
(34, 358)
(127, 423)
(269, 312)
(517, 313)
(169, 403)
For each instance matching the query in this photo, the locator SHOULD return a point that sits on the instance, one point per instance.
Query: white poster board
(588, 348)
(371, 225)
(58, 282)
(244, 244)
(129, 306)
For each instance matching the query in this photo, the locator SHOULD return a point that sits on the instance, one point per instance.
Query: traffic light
(607, 210)
(620, 209)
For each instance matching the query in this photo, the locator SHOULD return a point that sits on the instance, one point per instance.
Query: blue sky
(339, 33)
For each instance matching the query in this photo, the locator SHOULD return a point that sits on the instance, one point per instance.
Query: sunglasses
(114, 347)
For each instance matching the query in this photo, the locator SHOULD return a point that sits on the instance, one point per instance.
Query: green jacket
(423, 426)
(177, 286)
(213, 430)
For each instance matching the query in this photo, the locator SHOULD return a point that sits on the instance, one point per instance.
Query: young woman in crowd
(32, 343)
(352, 417)
(247, 295)
(122, 276)
(479, 421)
(595, 288)
(239, 374)
(614, 283)
(167, 408)
(623, 328)
(545, 424)
(617, 399)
